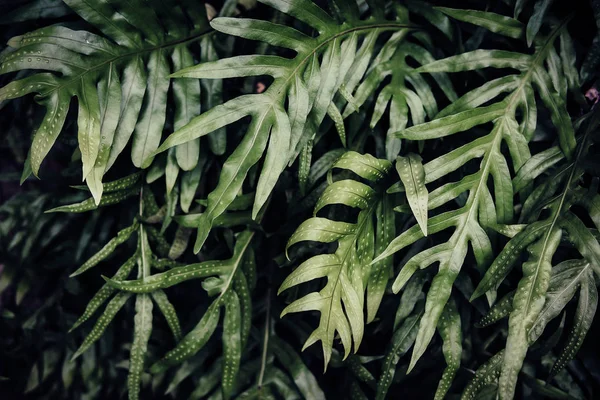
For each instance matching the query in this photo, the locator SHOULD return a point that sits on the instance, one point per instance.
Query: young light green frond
(411, 172)
(341, 301)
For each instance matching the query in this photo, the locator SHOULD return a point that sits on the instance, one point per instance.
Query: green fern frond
(482, 211)
(223, 278)
(341, 301)
(544, 291)
(307, 83)
(121, 80)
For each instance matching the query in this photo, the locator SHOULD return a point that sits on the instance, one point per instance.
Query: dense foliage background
(40, 303)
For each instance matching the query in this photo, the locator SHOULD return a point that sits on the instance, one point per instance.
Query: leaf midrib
(131, 54)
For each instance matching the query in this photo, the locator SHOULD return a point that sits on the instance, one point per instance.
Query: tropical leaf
(482, 211)
(544, 291)
(308, 83)
(341, 301)
(121, 80)
(224, 279)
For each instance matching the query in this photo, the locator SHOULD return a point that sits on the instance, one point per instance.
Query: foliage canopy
(382, 177)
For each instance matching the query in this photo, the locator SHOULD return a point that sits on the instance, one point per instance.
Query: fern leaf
(232, 294)
(586, 309)
(310, 81)
(168, 311)
(450, 330)
(341, 301)
(479, 211)
(402, 340)
(105, 319)
(141, 335)
(120, 80)
(533, 305)
(105, 292)
(412, 176)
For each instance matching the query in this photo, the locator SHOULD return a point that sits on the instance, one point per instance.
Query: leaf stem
(263, 360)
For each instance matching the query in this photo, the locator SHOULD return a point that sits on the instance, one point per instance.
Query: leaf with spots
(177, 275)
(232, 293)
(308, 83)
(402, 340)
(584, 316)
(480, 210)
(105, 319)
(168, 311)
(544, 291)
(142, 329)
(486, 374)
(108, 199)
(385, 230)
(232, 342)
(105, 292)
(108, 249)
(451, 333)
(500, 310)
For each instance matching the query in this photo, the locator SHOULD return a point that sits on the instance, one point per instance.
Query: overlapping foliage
(438, 164)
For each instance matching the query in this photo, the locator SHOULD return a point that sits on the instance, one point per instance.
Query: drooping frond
(121, 80)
